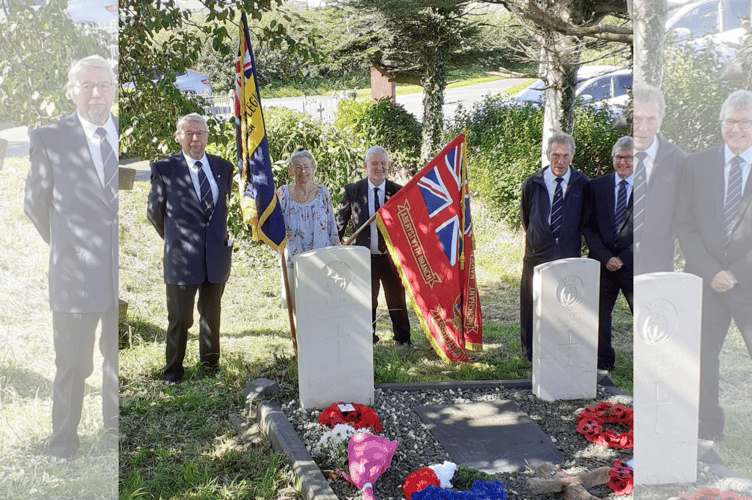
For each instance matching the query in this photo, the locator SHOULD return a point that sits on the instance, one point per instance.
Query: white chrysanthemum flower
(445, 472)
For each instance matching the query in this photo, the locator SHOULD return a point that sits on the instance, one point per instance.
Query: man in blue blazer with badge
(72, 200)
(551, 208)
(188, 208)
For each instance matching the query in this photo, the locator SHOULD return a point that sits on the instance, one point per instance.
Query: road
(18, 137)
(413, 103)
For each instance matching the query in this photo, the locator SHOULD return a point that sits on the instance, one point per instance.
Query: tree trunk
(561, 65)
(649, 21)
(434, 83)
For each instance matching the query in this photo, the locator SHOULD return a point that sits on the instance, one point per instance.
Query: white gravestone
(668, 313)
(565, 329)
(333, 319)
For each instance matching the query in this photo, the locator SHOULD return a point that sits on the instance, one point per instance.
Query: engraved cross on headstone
(658, 401)
(338, 337)
(570, 345)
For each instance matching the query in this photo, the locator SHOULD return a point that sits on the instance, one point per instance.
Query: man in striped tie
(714, 227)
(656, 172)
(71, 197)
(188, 208)
(608, 233)
(551, 208)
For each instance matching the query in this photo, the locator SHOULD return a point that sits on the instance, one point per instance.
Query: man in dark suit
(608, 233)
(714, 227)
(551, 208)
(361, 200)
(656, 175)
(71, 197)
(188, 208)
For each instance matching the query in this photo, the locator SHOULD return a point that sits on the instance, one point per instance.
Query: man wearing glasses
(71, 198)
(188, 208)
(608, 233)
(714, 227)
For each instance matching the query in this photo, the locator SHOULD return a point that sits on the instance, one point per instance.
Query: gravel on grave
(418, 448)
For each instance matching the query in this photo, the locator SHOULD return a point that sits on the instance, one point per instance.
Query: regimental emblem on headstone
(570, 291)
(659, 324)
(336, 277)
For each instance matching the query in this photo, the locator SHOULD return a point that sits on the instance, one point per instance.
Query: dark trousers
(611, 283)
(74, 335)
(180, 300)
(526, 308)
(717, 311)
(384, 272)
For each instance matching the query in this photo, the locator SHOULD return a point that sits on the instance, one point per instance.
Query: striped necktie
(733, 196)
(110, 163)
(621, 205)
(640, 193)
(381, 244)
(557, 208)
(207, 199)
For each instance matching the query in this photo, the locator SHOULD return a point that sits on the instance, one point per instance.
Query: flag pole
(288, 295)
(360, 229)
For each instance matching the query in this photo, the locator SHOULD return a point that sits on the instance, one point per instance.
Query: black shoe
(604, 379)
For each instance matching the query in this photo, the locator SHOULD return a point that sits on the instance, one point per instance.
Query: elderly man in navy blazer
(188, 208)
(714, 227)
(71, 197)
(551, 208)
(360, 200)
(608, 233)
(656, 173)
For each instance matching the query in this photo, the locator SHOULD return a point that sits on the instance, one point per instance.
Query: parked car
(716, 23)
(190, 82)
(701, 18)
(596, 84)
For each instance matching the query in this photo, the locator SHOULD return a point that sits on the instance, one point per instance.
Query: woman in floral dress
(308, 212)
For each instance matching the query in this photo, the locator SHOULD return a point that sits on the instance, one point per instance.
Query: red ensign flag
(429, 233)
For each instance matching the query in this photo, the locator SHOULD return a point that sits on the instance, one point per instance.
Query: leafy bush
(504, 148)
(694, 91)
(386, 124)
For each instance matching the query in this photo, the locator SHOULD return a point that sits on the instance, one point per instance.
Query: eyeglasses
(651, 121)
(300, 168)
(102, 87)
(743, 124)
(200, 133)
(620, 158)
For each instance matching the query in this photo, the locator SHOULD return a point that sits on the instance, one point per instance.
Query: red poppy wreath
(591, 421)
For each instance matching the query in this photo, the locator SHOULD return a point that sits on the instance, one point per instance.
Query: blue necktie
(621, 205)
(733, 196)
(110, 163)
(557, 208)
(207, 199)
(639, 194)
(376, 205)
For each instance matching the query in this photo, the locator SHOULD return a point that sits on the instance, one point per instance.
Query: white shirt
(745, 166)
(651, 152)
(95, 142)
(550, 180)
(617, 181)
(372, 209)
(209, 175)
